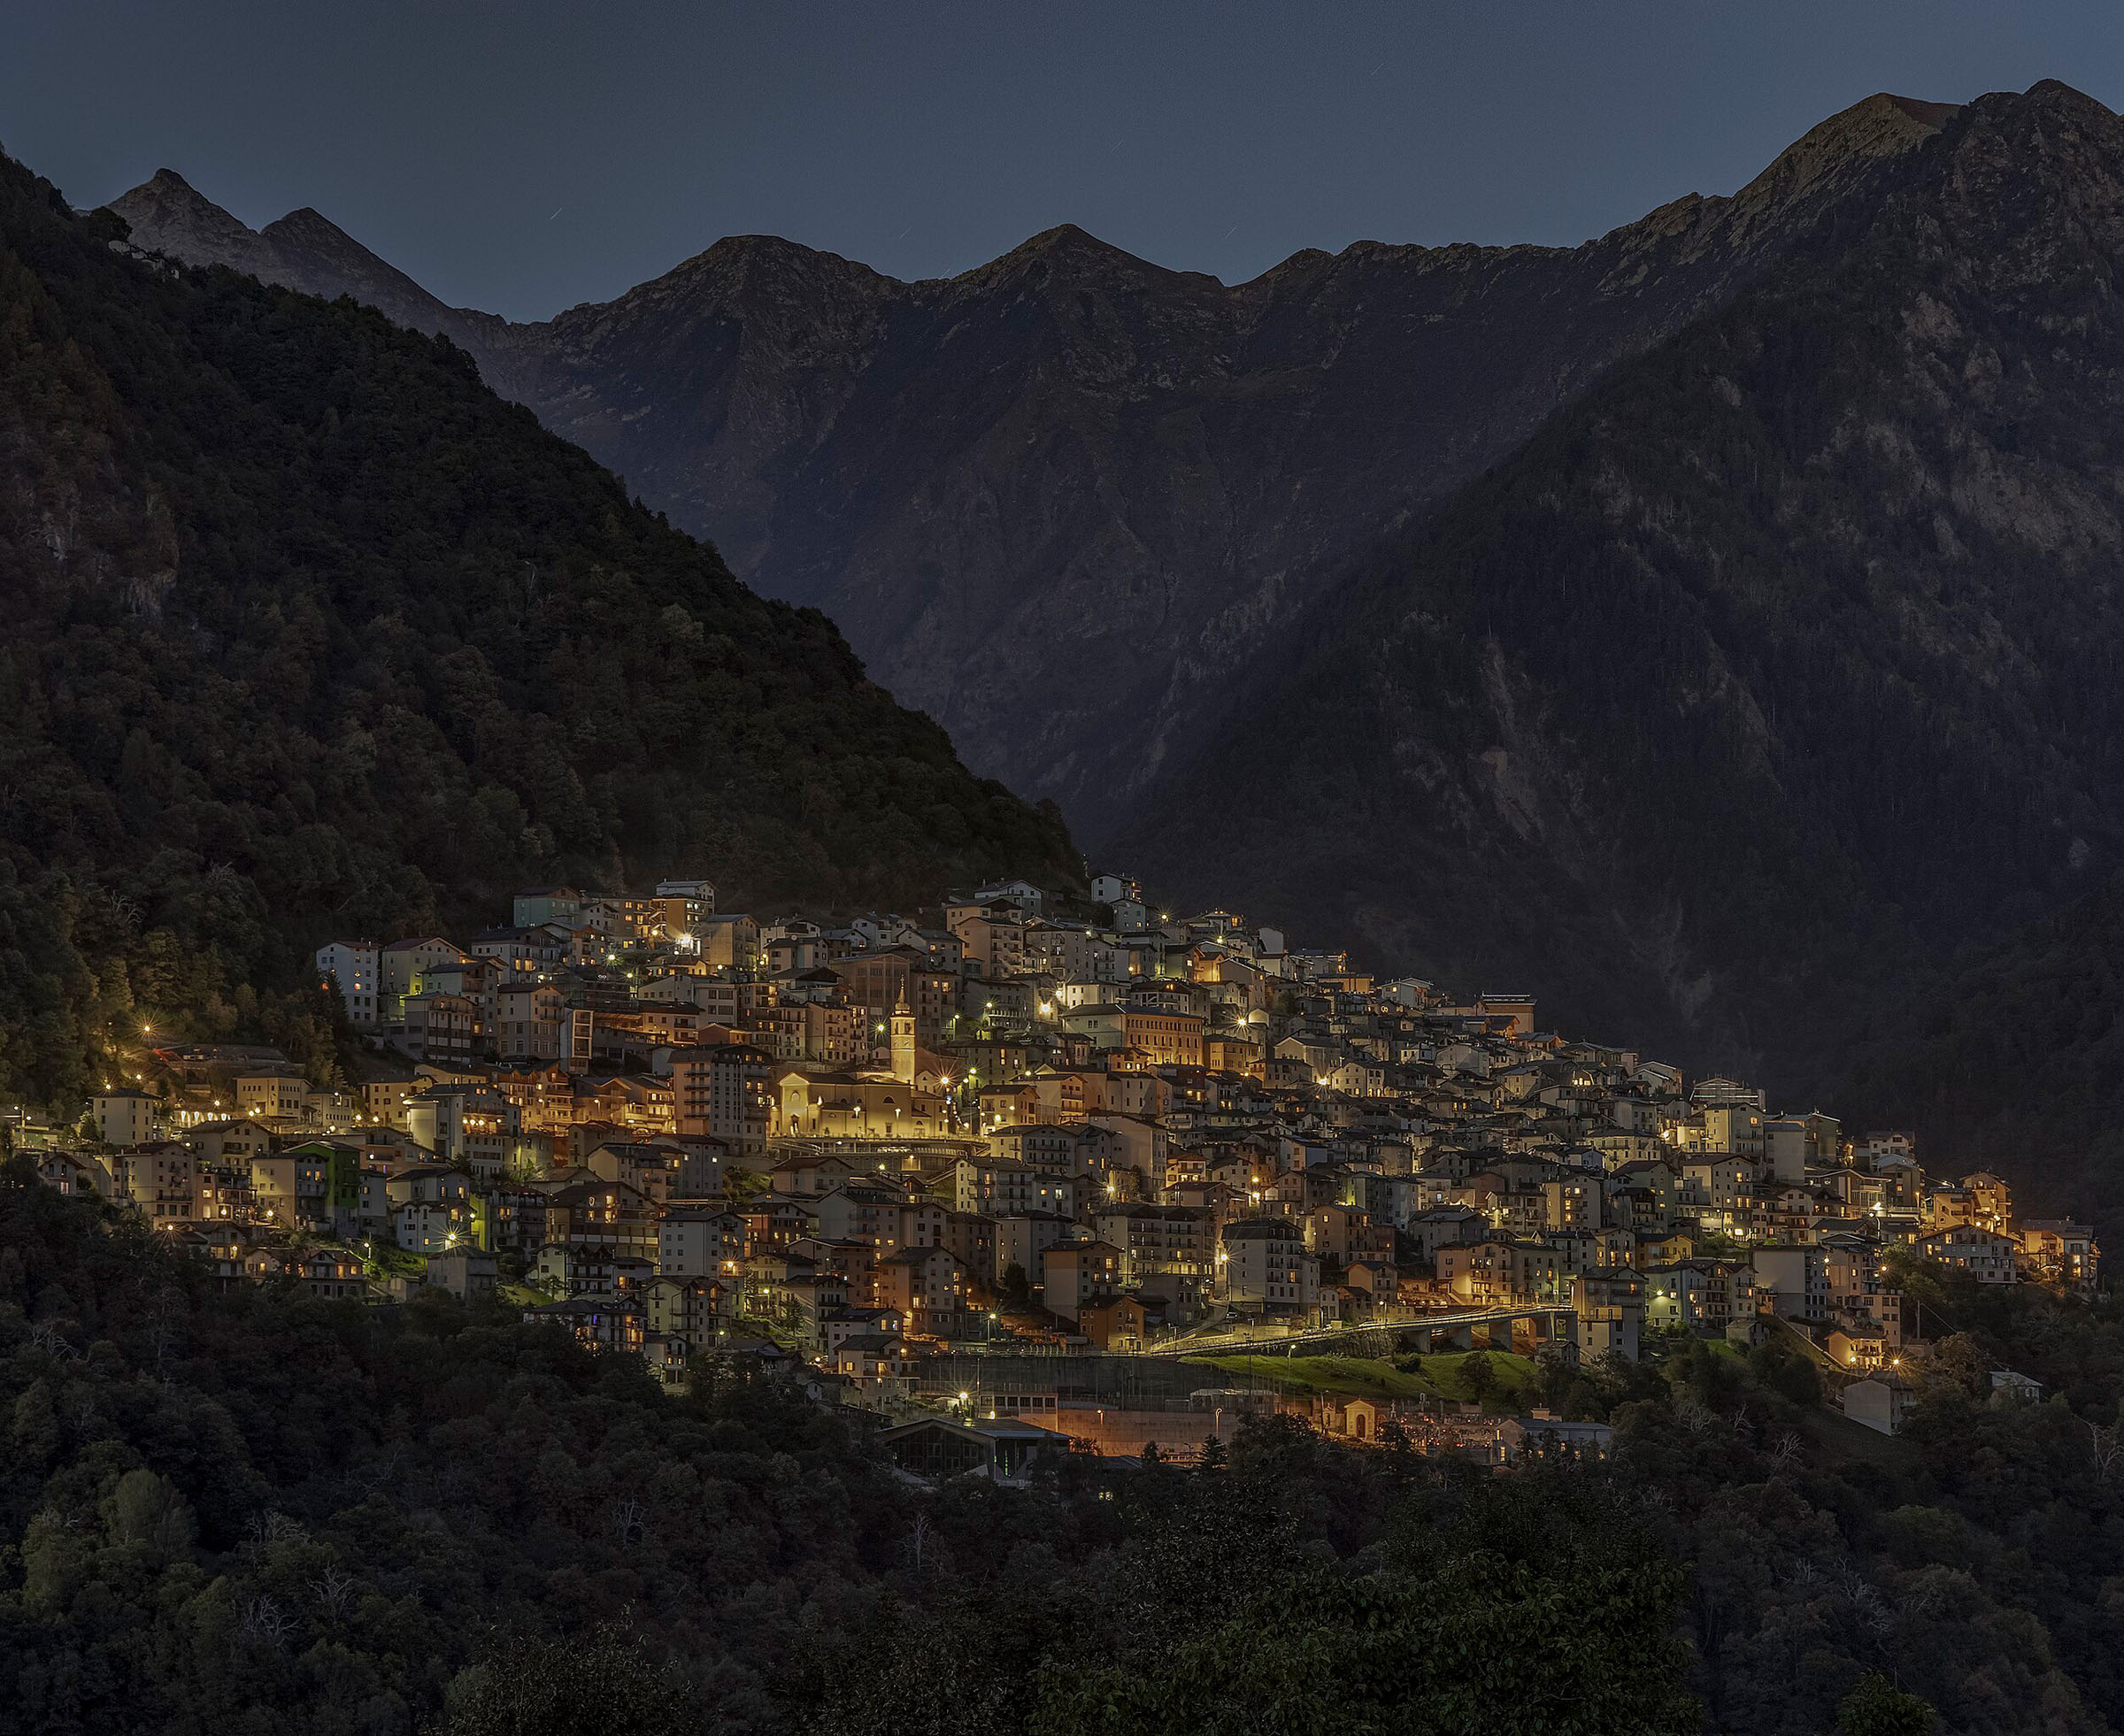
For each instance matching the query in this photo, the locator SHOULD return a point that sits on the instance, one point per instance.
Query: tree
(145, 1511)
(1786, 1370)
(1477, 1376)
(1404, 1463)
(742, 1186)
(1951, 1367)
(606, 1684)
(1877, 1707)
(1306, 1646)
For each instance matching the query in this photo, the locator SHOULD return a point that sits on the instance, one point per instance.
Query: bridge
(1461, 1329)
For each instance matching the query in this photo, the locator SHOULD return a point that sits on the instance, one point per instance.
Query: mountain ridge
(1135, 476)
(302, 249)
(1759, 683)
(166, 204)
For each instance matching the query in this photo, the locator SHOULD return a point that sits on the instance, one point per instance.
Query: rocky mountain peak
(733, 251)
(781, 289)
(1926, 114)
(167, 183)
(1068, 238)
(1848, 142)
(773, 258)
(1068, 253)
(303, 250)
(309, 224)
(2060, 97)
(2049, 129)
(167, 215)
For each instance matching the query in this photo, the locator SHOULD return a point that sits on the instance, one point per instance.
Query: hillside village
(993, 1174)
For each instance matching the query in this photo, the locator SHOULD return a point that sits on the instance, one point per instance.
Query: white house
(124, 1117)
(1115, 889)
(1878, 1402)
(351, 967)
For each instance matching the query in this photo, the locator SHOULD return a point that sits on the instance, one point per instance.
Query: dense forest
(309, 632)
(254, 1512)
(2009, 1058)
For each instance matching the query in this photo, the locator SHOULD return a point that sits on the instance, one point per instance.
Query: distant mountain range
(1066, 503)
(1713, 628)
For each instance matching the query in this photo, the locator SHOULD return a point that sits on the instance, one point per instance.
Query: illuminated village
(1030, 1170)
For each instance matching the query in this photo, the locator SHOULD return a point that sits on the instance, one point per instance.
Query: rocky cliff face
(1764, 678)
(1066, 502)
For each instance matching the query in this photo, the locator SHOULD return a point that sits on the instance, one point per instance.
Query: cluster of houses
(1031, 1121)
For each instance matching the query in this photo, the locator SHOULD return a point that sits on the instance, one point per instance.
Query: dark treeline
(257, 1512)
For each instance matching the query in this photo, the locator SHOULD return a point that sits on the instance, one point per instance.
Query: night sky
(522, 158)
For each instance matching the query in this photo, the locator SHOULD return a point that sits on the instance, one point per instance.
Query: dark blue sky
(524, 157)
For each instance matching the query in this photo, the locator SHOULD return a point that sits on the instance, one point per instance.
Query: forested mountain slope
(2010, 1058)
(255, 1511)
(1768, 677)
(308, 631)
(1063, 502)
